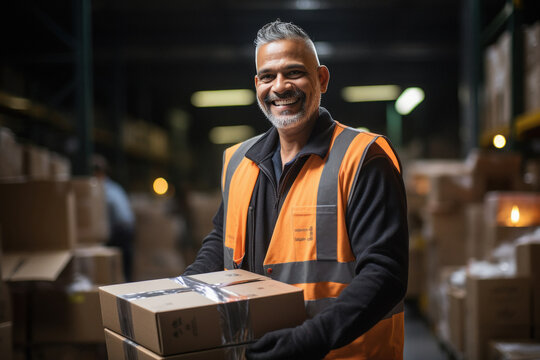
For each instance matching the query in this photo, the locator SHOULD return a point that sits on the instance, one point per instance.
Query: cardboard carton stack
(497, 308)
(514, 350)
(532, 68)
(157, 253)
(11, 155)
(528, 264)
(52, 228)
(498, 85)
(465, 211)
(194, 316)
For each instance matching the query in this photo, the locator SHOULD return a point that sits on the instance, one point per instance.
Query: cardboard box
(11, 155)
(46, 313)
(497, 308)
(118, 347)
(528, 264)
(514, 350)
(509, 215)
(494, 171)
(60, 167)
(456, 318)
(172, 316)
(60, 316)
(475, 229)
(38, 229)
(91, 208)
(445, 231)
(101, 265)
(531, 49)
(6, 340)
(37, 162)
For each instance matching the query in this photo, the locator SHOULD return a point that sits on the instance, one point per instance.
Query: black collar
(318, 142)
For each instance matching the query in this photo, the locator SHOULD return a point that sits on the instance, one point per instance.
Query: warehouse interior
(124, 79)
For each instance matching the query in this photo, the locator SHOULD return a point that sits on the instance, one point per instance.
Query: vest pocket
(314, 234)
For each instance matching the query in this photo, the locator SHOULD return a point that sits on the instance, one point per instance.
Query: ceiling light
(409, 99)
(307, 4)
(160, 186)
(214, 98)
(499, 141)
(370, 93)
(323, 48)
(230, 134)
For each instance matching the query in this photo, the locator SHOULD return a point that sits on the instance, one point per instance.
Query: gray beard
(282, 121)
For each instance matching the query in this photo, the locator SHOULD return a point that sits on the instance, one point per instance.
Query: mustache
(287, 94)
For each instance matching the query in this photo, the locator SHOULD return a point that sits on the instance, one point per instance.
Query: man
(120, 215)
(318, 205)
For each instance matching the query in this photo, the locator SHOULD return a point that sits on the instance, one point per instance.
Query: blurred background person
(120, 214)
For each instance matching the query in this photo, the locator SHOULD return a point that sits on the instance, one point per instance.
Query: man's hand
(279, 344)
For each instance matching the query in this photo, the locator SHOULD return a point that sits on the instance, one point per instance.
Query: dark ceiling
(148, 57)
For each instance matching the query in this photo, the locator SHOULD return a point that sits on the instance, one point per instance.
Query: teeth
(285, 102)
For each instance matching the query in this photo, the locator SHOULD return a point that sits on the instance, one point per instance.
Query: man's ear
(324, 77)
(256, 81)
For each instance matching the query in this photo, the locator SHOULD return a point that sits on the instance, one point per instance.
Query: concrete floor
(420, 342)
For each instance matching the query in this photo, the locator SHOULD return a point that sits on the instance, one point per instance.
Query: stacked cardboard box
(47, 313)
(514, 350)
(496, 308)
(100, 265)
(528, 264)
(157, 253)
(532, 67)
(38, 229)
(173, 316)
(11, 155)
(498, 85)
(508, 215)
(91, 208)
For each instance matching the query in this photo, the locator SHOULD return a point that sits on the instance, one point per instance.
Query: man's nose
(281, 84)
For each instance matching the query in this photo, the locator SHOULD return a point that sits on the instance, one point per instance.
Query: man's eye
(295, 74)
(266, 78)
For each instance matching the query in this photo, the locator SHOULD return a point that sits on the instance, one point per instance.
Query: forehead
(284, 52)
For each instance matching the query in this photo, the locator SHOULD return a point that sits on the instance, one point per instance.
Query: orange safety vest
(310, 246)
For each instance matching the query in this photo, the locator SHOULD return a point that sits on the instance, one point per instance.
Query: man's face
(289, 82)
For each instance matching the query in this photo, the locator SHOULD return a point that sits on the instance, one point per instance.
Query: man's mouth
(285, 102)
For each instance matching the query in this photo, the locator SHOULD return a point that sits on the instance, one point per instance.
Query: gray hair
(278, 30)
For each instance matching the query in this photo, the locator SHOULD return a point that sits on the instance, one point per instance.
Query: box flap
(45, 266)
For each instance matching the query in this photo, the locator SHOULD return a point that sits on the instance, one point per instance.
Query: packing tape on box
(233, 308)
(130, 350)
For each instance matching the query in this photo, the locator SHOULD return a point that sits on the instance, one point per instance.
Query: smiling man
(318, 205)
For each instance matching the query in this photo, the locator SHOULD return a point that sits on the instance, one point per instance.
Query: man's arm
(210, 256)
(377, 225)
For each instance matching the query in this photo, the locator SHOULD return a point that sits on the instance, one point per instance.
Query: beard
(283, 120)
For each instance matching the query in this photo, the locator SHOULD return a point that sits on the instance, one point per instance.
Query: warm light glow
(370, 93)
(160, 186)
(213, 98)
(409, 99)
(514, 215)
(230, 134)
(499, 141)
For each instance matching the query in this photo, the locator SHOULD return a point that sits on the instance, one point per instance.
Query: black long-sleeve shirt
(377, 228)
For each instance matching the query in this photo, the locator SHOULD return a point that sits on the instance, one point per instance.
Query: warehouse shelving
(510, 19)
